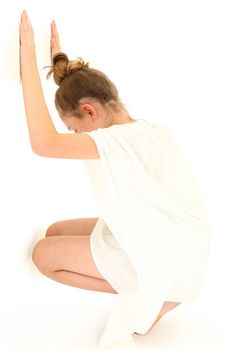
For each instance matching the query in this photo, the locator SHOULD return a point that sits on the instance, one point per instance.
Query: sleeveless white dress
(152, 239)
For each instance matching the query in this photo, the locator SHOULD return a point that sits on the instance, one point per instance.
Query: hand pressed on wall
(55, 46)
(27, 53)
(27, 42)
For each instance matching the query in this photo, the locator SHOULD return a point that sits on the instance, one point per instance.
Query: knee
(53, 230)
(39, 255)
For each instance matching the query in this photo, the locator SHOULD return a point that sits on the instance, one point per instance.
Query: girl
(83, 252)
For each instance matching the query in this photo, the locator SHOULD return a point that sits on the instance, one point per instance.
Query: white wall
(172, 63)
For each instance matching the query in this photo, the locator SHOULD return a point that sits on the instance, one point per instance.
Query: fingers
(55, 40)
(27, 53)
(26, 23)
(54, 32)
(23, 23)
(26, 31)
(54, 28)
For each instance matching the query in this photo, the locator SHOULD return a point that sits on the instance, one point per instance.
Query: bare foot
(167, 306)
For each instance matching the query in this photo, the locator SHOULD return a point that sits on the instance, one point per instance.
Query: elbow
(43, 147)
(39, 148)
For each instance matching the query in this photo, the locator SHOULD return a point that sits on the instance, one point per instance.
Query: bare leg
(74, 276)
(68, 259)
(78, 280)
(72, 227)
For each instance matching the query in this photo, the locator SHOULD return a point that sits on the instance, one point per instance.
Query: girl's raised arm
(40, 125)
(45, 140)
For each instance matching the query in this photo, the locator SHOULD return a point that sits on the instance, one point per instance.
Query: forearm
(40, 125)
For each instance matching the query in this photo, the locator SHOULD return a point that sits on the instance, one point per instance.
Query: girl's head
(86, 99)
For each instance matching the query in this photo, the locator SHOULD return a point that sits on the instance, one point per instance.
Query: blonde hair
(76, 80)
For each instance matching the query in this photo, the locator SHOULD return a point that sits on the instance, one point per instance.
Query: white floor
(190, 326)
(36, 329)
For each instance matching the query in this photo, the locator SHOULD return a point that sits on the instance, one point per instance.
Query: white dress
(111, 260)
(152, 239)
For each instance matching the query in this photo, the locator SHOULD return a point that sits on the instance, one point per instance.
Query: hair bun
(60, 56)
(77, 64)
(63, 67)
